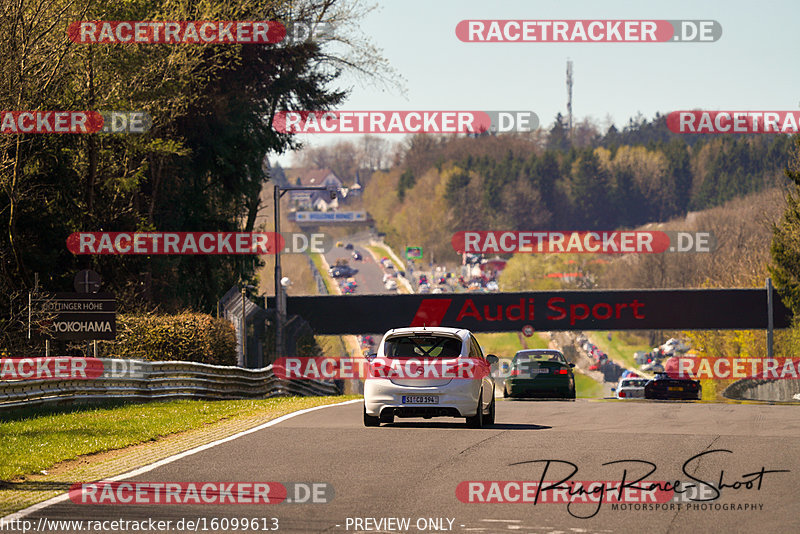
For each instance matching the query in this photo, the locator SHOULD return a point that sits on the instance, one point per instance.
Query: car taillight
(563, 371)
(515, 372)
(622, 393)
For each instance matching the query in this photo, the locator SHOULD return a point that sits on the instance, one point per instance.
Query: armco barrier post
(244, 331)
(770, 320)
(279, 310)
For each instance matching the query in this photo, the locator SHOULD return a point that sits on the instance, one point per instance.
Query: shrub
(194, 337)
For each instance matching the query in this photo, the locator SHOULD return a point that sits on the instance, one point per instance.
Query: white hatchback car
(424, 394)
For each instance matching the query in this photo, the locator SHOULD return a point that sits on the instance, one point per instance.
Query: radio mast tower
(569, 96)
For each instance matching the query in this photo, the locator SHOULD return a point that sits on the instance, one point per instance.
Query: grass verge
(505, 344)
(621, 346)
(332, 346)
(317, 259)
(587, 388)
(382, 252)
(33, 441)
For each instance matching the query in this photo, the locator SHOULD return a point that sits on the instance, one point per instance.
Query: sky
(753, 66)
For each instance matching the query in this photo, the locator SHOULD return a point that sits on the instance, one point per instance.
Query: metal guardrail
(321, 289)
(160, 381)
(762, 389)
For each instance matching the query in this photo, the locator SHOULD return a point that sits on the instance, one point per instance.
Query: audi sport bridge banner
(674, 309)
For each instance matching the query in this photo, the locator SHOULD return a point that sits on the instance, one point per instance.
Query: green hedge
(193, 337)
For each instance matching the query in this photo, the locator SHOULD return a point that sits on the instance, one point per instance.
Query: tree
(374, 153)
(585, 133)
(785, 247)
(679, 168)
(612, 137)
(558, 138)
(406, 181)
(589, 194)
(523, 208)
(462, 192)
(200, 165)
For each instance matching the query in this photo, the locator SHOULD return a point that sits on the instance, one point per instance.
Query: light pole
(280, 296)
(245, 287)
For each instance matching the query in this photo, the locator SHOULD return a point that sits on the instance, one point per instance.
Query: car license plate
(420, 399)
(540, 371)
(675, 388)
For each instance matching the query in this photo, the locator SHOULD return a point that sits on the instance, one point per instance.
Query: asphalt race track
(370, 274)
(411, 469)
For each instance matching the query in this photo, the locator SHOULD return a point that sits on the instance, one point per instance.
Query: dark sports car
(542, 373)
(672, 388)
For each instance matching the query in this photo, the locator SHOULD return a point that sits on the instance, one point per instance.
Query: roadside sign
(81, 316)
(87, 281)
(413, 253)
(527, 330)
(329, 216)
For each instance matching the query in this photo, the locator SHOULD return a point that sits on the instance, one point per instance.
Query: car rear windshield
(634, 383)
(540, 357)
(422, 347)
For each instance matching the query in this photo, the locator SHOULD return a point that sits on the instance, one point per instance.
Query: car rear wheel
(490, 417)
(370, 420)
(387, 417)
(476, 421)
(505, 392)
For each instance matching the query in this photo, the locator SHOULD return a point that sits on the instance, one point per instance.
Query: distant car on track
(653, 367)
(357, 255)
(665, 387)
(674, 345)
(471, 398)
(342, 271)
(630, 388)
(542, 373)
(349, 287)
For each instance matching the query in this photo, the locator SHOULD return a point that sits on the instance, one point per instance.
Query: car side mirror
(492, 359)
(572, 365)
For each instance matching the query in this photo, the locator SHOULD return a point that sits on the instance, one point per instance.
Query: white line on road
(65, 496)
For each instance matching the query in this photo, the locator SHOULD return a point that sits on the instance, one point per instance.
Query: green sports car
(542, 373)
